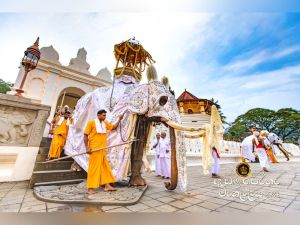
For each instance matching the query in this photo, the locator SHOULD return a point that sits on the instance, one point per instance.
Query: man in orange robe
(60, 136)
(95, 137)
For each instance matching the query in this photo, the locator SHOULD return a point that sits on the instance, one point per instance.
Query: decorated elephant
(8, 127)
(141, 105)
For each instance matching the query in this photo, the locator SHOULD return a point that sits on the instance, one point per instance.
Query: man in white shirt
(157, 159)
(165, 156)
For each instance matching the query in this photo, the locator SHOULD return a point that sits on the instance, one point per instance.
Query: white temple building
(47, 83)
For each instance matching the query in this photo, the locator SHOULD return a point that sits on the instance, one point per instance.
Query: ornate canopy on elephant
(133, 57)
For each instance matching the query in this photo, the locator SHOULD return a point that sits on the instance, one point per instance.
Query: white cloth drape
(157, 160)
(62, 119)
(216, 167)
(165, 166)
(100, 127)
(164, 145)
(247, 148)
(263, 157)
(165, 157)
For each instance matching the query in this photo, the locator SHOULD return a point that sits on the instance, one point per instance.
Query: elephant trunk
(285, 152)
(24, 132)
(198, 135)
(174, 169)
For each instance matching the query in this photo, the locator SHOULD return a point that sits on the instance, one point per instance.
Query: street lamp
(29, 62)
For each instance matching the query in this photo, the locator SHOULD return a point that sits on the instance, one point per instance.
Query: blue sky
(244, 60)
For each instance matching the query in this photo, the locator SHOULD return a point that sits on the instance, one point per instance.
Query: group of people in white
(163, 157)
(259, 142)
(262, 142)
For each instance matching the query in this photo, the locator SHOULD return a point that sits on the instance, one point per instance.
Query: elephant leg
(138, 147)
(75, 166)
(285, 152)
(13, 135)
(23, 132)
(174, 169)
(5, 137)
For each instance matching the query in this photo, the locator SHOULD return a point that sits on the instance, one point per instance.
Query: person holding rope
(60, 135)
(95, 137)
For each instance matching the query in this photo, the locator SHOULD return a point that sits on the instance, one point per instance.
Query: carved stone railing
(22, 122)
(195, 149)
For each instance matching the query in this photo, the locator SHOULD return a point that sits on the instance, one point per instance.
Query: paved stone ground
(203, 195)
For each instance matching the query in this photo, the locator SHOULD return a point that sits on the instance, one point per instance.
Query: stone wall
(22, 122)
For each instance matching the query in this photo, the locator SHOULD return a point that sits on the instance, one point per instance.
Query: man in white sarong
(247, 147)
(215, 170)
(264, 158)
(157, 159)
(165, 156)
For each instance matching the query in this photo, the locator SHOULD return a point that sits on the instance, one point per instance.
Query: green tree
(284, 122)
(287, 124)
(223, 118)
(264, 118)
(5, 87)
(235, 132)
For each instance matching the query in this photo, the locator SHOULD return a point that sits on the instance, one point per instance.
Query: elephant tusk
(28, 123)
(180, 127)
(198, 135)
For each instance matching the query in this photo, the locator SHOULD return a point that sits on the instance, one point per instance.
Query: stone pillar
(202, 110)
(22, 122)
(181, 108)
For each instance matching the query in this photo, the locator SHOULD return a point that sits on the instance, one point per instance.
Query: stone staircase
(53, 173)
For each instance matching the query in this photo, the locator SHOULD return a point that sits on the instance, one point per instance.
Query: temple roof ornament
(50, 54)
(79, 63)
(104, 74)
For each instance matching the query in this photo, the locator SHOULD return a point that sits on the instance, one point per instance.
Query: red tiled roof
(187, 96)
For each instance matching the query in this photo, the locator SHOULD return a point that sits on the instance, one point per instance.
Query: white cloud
(244, 62)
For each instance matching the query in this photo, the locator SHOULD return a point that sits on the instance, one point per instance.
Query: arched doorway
(190, 111)
(72, 96)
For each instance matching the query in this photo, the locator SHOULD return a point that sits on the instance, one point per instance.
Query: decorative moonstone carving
(79, 63)
(50, 54)
(104, 74)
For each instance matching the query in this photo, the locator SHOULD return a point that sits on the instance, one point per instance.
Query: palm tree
(223, 118)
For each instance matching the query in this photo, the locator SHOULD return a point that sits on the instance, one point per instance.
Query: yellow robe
(99, 171)
(59, 139)
(273, 159)
(243, 159)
